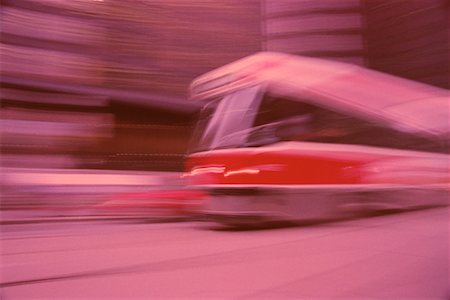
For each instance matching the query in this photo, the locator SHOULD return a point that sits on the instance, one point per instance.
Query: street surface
(399, 256)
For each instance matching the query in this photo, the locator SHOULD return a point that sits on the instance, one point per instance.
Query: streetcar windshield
(223, 121)
(249, 118)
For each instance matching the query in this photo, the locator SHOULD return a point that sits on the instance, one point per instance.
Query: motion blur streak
(131, 131)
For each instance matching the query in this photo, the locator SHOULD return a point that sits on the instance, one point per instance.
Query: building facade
(406, 38)
(123, 67)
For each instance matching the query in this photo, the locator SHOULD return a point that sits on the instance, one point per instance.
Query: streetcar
(291, 138)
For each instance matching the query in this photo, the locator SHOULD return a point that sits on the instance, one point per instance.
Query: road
(399, 256)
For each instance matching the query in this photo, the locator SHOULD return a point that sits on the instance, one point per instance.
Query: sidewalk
(64, 195)
(25, 217)
(85, 177)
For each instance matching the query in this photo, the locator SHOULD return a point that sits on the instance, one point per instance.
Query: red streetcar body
(295, 138)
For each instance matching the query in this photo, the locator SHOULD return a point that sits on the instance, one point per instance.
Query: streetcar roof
(403, 103)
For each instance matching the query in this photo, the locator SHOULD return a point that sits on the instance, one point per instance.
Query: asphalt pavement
(397, 256)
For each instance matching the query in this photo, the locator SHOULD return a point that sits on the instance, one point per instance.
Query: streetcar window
(199, 142)
(223, 121)
(245, 119)
(281, 119)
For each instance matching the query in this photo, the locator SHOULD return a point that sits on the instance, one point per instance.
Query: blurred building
(325, 28)
(407, 38)
(102, 83)
(117, 70)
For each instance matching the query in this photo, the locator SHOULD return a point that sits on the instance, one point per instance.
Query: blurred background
(99, 86)
(95, 122)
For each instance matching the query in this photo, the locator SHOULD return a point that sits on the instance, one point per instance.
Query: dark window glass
(199, 142)
(281, 119)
